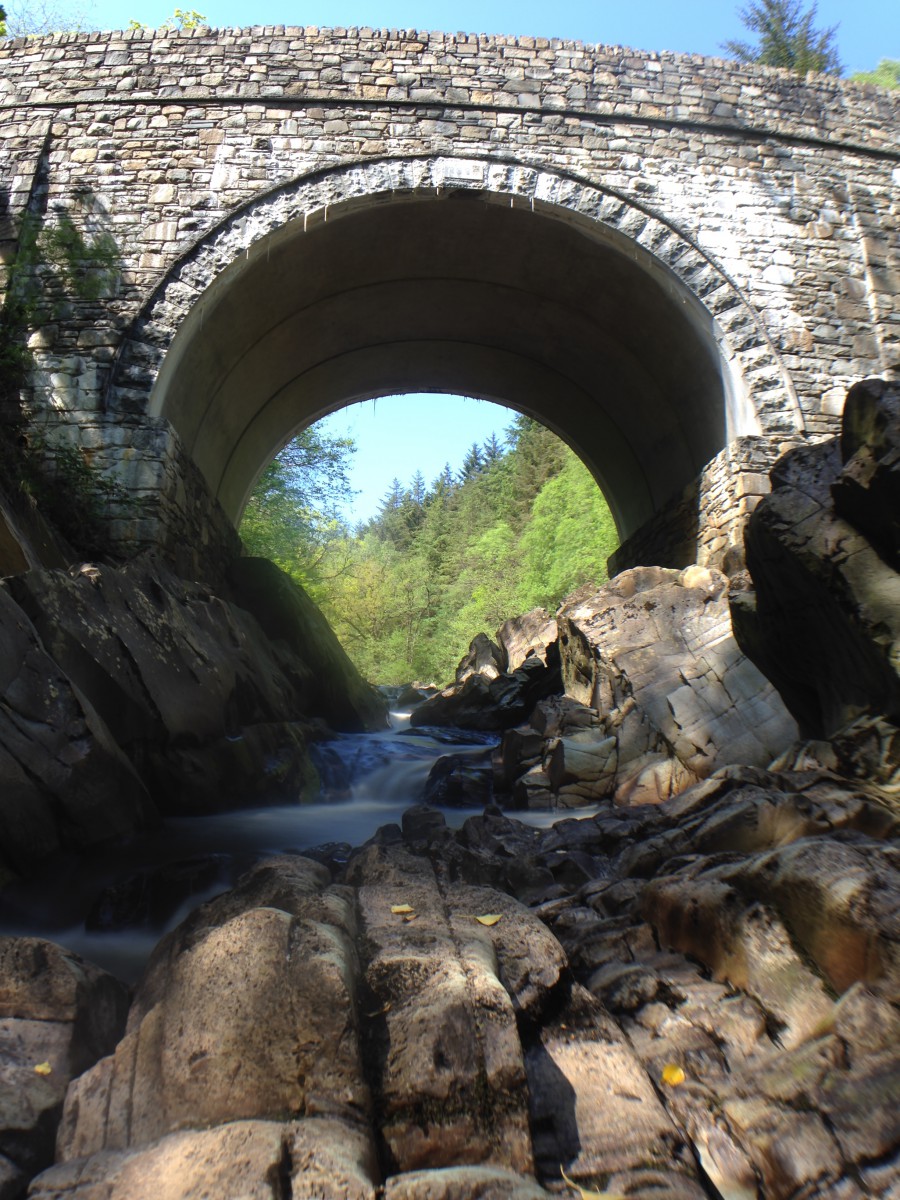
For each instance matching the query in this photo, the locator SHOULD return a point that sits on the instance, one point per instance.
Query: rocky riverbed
(679, 1000)
(692, 992)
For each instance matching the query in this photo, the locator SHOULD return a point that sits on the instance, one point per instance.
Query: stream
(112, 907)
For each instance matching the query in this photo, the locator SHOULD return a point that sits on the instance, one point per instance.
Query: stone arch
(549, 293)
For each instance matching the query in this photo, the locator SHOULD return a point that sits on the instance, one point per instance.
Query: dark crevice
(280, 1174)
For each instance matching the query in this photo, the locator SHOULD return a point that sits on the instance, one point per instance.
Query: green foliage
(292, 516)
(886, 74)
(2, 21)
(514, 527)
(181, 18)
(569, 538)
(74, 496)
(787, 38)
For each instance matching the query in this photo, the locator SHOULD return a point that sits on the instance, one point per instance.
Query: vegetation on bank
(515, 526)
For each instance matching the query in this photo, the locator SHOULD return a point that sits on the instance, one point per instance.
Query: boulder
(867, 491)
(440, 1028)
(460, 780)
(317, 1159)
(652, 653)
(246, 1012)
(822, 616)
(58, 1015)
(533, 633)
(483, 658)
(499, 703)
(594, 1109)
(463, 1183)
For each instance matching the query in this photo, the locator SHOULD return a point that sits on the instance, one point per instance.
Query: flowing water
(112, 907)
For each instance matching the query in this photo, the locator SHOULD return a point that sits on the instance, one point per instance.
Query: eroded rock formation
(654, 694)
(692, 993)
(676, 999)
(128, 691)
(820, 614)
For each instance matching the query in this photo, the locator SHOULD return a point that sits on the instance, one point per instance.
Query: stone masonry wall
(787, 186)
(707, 520)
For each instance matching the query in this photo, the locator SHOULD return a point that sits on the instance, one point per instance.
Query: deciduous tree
(886, 74)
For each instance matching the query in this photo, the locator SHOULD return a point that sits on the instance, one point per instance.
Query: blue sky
(395, 437)
(398, 435)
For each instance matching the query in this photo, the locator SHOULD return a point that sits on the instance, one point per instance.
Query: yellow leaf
(672, 1074)
(410, 917)
(586, 1194)
(43, 1068)
(489, 919)
(401, 909)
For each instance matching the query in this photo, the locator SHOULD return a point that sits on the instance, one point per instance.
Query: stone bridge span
(677, 263)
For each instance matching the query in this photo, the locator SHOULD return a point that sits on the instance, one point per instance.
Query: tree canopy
(886, 74)
(515, 526)
(787, 38)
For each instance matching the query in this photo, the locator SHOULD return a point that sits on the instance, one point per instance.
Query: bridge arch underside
(463, 293)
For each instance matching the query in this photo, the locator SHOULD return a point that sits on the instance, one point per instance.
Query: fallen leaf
(401, 909)
(489, 919)
(410, 917)
(379, 1012)
(43, 1068)
(586, 1193)
(672, 1074)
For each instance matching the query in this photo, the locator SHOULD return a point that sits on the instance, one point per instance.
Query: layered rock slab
(246, 1014)
(442, 1037)
(62, 776)
(127, 690)
(658, 695)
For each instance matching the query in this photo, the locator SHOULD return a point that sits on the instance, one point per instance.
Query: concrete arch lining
(398, 368)
(428, 275)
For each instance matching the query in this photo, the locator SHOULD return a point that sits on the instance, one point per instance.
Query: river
(112, 907)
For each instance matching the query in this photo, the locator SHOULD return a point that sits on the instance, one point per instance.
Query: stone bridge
(678, 264)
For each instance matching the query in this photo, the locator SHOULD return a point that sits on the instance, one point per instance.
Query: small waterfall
(113, 906)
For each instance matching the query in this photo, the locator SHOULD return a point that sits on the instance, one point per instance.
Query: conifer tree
(787, 38)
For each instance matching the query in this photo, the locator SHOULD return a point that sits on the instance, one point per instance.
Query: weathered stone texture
(822, 552)
(767, 196)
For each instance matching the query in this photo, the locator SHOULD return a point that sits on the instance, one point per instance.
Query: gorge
(676, 976)
(690, 991)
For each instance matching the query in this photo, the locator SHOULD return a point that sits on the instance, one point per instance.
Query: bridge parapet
(307, 65)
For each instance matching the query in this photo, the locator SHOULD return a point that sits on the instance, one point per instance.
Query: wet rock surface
(679, 999)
